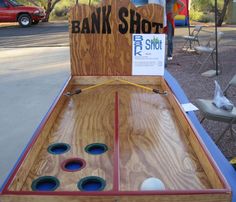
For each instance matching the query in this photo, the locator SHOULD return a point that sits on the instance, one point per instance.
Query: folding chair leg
(204, 62)
(213, 60)
(187, 45)
(198, 42)
(231, 133)
(203, 118)
(225, 130)
(190, 45)
(230, 126)
(186, 41)
(225, 90)
(197, 59)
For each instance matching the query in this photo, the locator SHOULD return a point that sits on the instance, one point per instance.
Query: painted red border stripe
(119, 193)
(5, 191)
(116, 174)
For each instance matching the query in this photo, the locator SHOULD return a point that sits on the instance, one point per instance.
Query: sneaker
(170, 58)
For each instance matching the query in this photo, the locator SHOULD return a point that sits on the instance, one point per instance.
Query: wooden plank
(178, 198)
(92, 80)
(153, 144)
(24, 198)
(124, 198)
(207, 163)
(108, 52)
(43, 132)
(86, 118)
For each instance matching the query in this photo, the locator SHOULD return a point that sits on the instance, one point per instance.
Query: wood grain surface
(152, 143)
(197, 145)
(110, 53)
(92, 80)
(86, 118)
(156, 198)
(28, 162)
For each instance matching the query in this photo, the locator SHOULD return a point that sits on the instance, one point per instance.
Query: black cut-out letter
(123, 12)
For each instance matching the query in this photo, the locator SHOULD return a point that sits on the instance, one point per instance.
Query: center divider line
(116, 174)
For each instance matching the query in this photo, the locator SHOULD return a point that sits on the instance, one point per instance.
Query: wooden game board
(147, 134)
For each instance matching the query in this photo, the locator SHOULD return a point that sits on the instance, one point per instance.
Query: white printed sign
(148, 54)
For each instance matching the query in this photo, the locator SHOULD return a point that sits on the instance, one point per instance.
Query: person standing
(173, 7)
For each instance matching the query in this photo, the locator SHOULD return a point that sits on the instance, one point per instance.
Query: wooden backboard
(101, 35)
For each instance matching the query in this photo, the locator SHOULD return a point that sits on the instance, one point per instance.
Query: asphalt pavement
(34, 65)
(41, 35)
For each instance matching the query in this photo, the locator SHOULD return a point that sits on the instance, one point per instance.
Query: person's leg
(170, 39)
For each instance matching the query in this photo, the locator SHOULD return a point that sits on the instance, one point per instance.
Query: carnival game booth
(117, 122)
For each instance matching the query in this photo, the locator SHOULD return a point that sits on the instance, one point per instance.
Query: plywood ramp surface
(152, 143)
(86, 118)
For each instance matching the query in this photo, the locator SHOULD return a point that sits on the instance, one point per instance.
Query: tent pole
(216, 36)
(189, 32)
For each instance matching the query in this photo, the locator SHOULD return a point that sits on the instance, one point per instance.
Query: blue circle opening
(96, 148)
(73, 165)
(91, 183)
(58, 148)
(46, 183)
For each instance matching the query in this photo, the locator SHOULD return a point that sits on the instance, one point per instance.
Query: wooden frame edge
(201, 143)
(33, 139)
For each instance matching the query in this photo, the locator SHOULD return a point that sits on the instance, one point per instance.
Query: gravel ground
(197, 86)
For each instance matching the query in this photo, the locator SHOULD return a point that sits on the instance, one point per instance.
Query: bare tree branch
(55, 2)
(33, 2)
(50, 6)
(222, 13)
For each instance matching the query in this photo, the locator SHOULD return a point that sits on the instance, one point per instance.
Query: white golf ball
(152, 183)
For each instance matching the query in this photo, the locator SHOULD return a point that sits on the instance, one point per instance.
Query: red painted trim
(106, 75)
(35, 137)
(121, 193)
(116, 168)
(203, 146)
(116, 174)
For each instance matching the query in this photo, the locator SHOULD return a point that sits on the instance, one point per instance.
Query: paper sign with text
(148, 54)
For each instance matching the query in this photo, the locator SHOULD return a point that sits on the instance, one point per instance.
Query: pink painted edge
(120, 193)
(116, 174)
